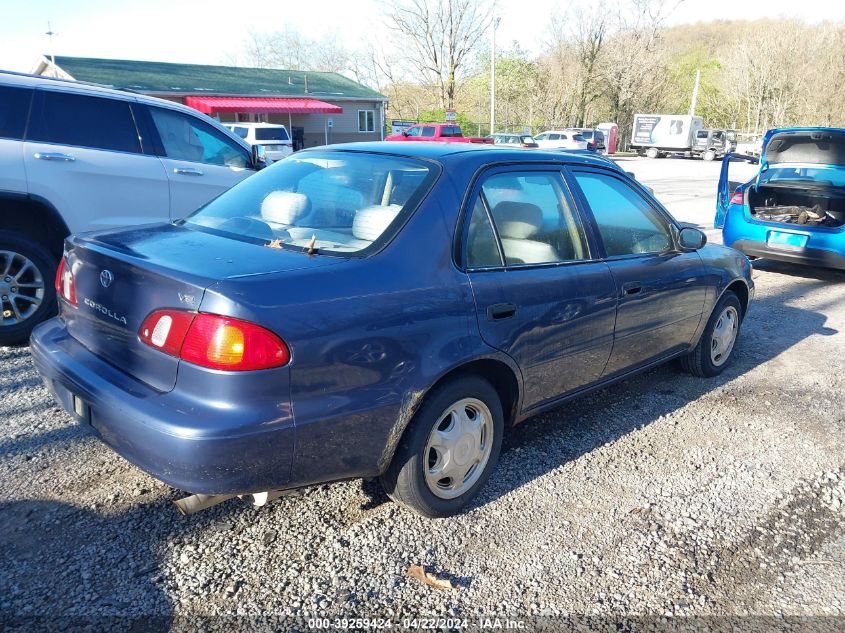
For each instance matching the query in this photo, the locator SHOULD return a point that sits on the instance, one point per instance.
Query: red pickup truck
(444, 132)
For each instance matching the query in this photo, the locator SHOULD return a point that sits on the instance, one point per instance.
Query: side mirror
(691, 239)
(259, 156)
(404, 132)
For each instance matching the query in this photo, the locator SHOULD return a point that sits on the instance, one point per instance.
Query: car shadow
(801, 271)
(584, 424)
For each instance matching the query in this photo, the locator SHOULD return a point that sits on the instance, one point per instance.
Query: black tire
(699, 362)
(13, 333)
(404, 481)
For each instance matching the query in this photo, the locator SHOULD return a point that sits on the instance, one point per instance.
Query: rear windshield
(271, 134)
(808, 177)
(335, 202)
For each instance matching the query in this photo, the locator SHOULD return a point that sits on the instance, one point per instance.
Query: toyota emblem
(106, 277)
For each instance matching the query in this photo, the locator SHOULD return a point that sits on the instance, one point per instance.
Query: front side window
(185, 137)
(72, 119)
(14, 109)
(335, 202)
(366, 121)
(414, 131)
(628, 225)
(541, 137)
(241, 131)
(534, 219)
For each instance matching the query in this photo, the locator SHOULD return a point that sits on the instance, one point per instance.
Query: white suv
(272, 136)
(78, 157)
(560, 139)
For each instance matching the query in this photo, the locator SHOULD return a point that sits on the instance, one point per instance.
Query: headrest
(371, 222)
(517, 220)
(285, 207)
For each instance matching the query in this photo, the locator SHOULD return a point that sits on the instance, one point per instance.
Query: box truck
(660, 134)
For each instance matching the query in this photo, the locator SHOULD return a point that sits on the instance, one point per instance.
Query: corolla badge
(106, 277)
(104, 310)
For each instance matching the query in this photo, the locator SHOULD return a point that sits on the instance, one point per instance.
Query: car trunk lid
(122, 277)
(803, 146)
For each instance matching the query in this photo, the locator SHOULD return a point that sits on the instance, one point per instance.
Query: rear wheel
(652, 152)
(27, 296)
(714, 350)
(449, 449)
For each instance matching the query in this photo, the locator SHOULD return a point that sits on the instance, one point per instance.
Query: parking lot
(663, 495)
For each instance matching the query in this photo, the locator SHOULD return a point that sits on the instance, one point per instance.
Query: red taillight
(214, 341)
(738, 198)
(165, 330)
(65, 287)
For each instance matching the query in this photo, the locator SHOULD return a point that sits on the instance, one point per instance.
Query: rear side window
(428, 131)
(482, 249)
(14, 109)
(535, 222)
(628, 225)
(185, 137)
(71, 119)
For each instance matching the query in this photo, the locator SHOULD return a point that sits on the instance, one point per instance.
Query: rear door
(84, 155)
(540, 296)
(660, 289)
(201, 162)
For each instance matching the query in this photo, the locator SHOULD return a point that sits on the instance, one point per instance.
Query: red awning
(274, 105)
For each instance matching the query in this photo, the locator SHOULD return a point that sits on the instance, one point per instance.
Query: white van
(272, 136)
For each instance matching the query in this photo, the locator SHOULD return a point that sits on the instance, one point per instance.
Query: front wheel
(27, 296)
(449, 449)
(709, 155)
(713, 352)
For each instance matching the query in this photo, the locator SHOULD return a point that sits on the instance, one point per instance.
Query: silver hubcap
(724, 336)
(458, 448)
(21, 288)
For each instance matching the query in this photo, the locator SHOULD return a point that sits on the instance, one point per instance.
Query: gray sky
(209, 31)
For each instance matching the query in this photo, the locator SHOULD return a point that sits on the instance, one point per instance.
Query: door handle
(67, 158)
(187, 171)
(631, 288)
(501, 311)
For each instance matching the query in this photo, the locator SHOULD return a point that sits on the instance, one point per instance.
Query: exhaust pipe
(193, 504)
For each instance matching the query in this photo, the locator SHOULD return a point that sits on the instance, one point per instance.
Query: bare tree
(439, 38)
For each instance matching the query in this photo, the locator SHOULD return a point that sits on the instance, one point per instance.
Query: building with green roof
(317, 107)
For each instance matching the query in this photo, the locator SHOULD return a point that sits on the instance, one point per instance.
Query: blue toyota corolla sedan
(794, 209)
(379, 309)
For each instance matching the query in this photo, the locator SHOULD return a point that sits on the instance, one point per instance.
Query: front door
(660, 289)
(201, 162)
(540, 296)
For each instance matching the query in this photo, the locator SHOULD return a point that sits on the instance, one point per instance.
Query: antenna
(50, 33)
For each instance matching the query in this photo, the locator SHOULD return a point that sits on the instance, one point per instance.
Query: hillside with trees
(597, 64)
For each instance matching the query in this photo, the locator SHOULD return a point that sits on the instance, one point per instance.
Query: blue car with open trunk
(379, 309)
(793, 210)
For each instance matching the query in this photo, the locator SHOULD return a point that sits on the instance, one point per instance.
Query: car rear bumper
(810, 256)
(204, 441)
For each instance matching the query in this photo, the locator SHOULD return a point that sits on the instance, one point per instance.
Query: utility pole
(50, 33)
(493, 76)
(695, 93)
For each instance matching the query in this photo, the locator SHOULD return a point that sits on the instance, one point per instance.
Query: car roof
(471, 152)
(250, 124)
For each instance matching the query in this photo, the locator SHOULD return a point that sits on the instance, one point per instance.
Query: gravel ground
(666, 495)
